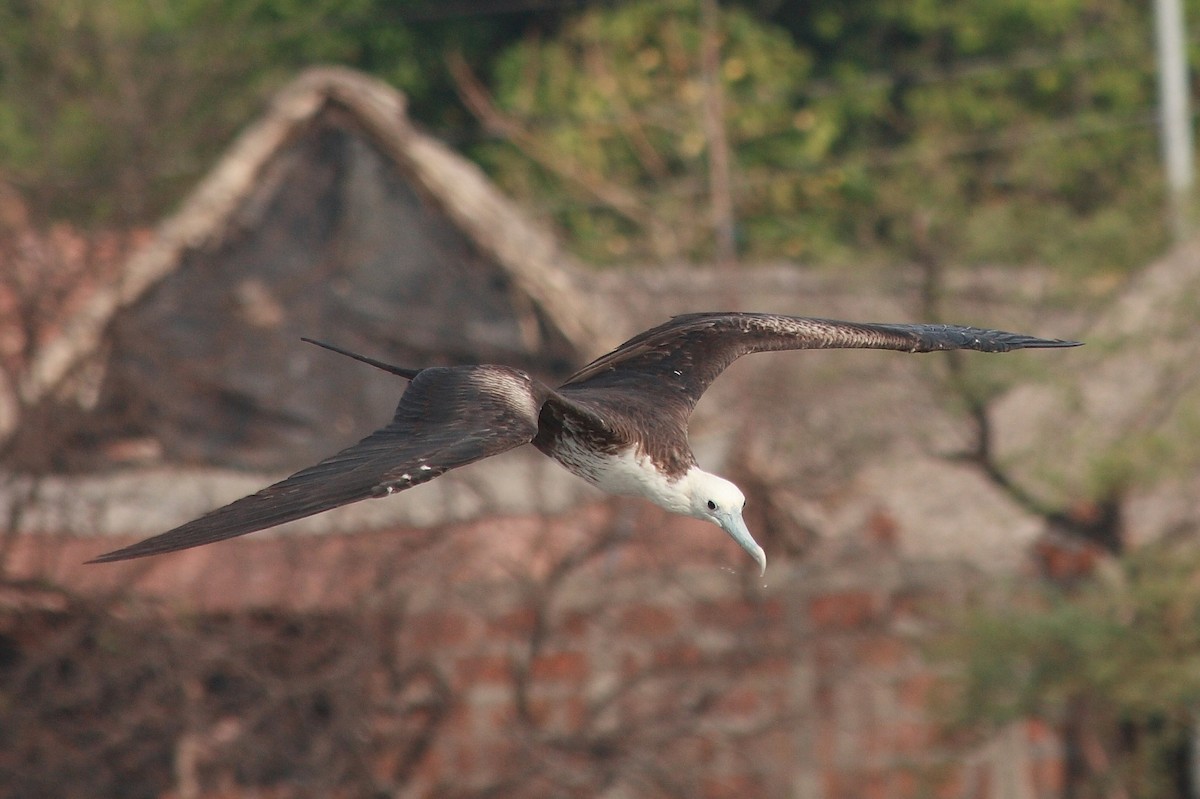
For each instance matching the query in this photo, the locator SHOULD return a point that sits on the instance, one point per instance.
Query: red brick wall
(617, 652)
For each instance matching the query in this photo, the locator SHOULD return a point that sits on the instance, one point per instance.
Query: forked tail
(408, 374)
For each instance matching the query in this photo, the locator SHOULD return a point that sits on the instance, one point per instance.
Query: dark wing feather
(448, 417)
(676, 362)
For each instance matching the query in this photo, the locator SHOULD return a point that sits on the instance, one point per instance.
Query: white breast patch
(627, 473)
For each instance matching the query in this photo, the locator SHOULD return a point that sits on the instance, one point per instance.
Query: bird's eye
(712, 505)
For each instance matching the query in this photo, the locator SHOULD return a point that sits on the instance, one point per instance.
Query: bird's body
(624, 473)
(620, 422)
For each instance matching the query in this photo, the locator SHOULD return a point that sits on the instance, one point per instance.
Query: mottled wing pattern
(676, 362)
(447, 418)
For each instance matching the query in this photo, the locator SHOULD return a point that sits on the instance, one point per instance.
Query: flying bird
(620, 422)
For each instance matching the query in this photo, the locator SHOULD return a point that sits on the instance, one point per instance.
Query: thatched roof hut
(333, 217)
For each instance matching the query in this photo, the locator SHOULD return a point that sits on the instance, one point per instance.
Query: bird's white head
(719, 501)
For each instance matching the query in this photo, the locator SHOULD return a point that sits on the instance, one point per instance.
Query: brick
(842, 610)
(490, 669)
(1049, 776)
(724, 613)
(574, 624)
(437, 628)
(575, 712)
(503, 716)
(951, 784)
(882, 651)
(738, 612)
(1067, 560)
(898, 784)
(631, 664)
(735, 786)
(649, 621)
(874, 784)
(540, 710)
(1039, 732)
(429, 768)
(679, 655)
(839, 785)
(829, 656)
(916, 692)
(564, 666)
(740, 702)
(774, 666)
(560, 715)
(883, 529)
(517, 624)
(909, 737)
(477, 758)
(459, 720)
(827, 738)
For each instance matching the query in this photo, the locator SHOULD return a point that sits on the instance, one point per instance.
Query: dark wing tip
(109, 557)
(126, 553)
(953, 337)
(193, 534)
(1031, 343)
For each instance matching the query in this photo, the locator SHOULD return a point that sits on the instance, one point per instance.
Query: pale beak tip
(761, 557)
(732, 523)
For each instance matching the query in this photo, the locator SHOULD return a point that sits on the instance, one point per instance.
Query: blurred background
(984, 576)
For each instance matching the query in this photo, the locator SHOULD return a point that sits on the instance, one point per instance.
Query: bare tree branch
(477, 99)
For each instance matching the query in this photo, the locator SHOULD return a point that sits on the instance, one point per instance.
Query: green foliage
(1117, 661)
(1167, 446)
(619, 94)
(1015, 127)
(972, 132)
(110, 111)
(977, 132)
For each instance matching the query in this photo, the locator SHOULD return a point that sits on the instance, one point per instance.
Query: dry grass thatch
(536, 264)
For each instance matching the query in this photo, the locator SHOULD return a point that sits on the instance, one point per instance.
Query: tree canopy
(994, 131)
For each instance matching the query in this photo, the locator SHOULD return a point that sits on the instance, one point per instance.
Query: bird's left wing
(448, 417)
(673, 364)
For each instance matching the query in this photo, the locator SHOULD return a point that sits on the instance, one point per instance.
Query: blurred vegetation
(110, 112)
(987, 131)
(1000, 131)
(620, 95)
(1112, 662)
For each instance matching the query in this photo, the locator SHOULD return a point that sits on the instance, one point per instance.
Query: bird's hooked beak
(732, 523)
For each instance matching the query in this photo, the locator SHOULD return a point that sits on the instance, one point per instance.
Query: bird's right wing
(448, 417)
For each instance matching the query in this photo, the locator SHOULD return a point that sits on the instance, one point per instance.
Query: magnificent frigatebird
(620, 422)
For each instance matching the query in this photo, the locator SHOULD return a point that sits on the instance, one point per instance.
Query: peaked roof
(530, 257)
